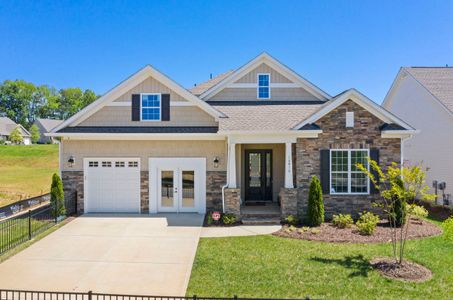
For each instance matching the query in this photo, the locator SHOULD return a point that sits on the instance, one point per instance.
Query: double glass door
(176, 190)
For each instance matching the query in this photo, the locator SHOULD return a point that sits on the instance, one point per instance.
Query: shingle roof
(438, 81)
(7, 125)
(248, 116)
(139, 129)
(49, 124)
(204, 86)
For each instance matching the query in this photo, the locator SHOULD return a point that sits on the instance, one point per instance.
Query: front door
(178, 184)
(258, 175)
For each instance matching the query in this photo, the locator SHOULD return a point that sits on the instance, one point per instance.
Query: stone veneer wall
(144, 192)
(364, 135)
(233, 201)
(288, 201)
(73, 188)
(214, 182)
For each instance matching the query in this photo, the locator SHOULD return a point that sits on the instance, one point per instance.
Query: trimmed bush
(342, 221)
(315, 210)
(228, 219)
(448, 229)
(416, 211)
(367, 223)
(292, 220)
(57, 197)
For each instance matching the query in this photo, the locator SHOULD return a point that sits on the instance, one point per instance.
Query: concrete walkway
(129, 254)
(243, 230)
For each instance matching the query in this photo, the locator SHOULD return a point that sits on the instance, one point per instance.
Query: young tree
(16, 136)
(315, 210)
(57, 197)
(35, 135)
(398, 186)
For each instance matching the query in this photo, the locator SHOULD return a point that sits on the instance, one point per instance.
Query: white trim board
(128, 84)
(172, 103)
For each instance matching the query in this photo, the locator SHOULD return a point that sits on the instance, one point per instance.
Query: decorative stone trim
(73, 189)
(144, 192)
(288, 201)
(214, 182)
(233, 201)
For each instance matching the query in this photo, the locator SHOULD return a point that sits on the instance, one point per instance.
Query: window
(93, 164)
(345, 177)
(150, 107)
(133, 164)
(119, 164)
(264, 90)
(349, 119)
(106, 164)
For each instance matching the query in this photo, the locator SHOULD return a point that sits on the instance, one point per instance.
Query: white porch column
(288, 166)
(232, 166)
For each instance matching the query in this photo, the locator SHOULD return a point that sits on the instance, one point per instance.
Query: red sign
(216, 216)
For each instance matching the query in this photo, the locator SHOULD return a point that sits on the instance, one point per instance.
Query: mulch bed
(329, 233)
(407, 271)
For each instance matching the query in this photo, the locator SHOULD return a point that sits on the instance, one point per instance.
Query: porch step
(261, 221)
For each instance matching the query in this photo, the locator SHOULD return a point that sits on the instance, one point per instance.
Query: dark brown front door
(258, 175)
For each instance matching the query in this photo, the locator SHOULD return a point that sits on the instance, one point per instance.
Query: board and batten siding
(250, 94)
(432, 146)
(251, 77)
(150, 85)
(81, 149)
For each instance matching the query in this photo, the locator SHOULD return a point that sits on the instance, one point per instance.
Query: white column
(232, 166)
(288, 166)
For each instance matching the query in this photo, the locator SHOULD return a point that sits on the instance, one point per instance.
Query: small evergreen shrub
(342, 221)
(315, 231)
(209, 219)
(228, 219)
(416, 211)
(448, 229)
(292, 220)
(398, 213)
(367, 223)
(315, 210)
(57, 197)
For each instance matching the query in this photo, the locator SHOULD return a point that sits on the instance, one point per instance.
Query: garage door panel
(112, 185)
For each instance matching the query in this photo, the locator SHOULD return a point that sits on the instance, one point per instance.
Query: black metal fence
(35, 295)
(23, 227)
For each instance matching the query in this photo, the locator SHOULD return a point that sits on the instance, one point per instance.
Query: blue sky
(334, 44)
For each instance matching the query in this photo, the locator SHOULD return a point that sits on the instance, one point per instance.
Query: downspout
(227, 178)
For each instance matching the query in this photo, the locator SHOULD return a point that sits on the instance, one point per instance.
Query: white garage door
(112, 185)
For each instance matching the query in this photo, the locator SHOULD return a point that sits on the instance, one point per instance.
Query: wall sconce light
(71, 161)
(216, 162)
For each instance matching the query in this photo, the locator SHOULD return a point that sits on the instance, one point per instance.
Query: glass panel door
(258, 175)
(188, 189)
(167, 187)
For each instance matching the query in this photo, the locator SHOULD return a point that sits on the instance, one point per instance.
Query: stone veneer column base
(288, 201)
(233, 201)
(144, 192)
(214, 182)
(73, 190)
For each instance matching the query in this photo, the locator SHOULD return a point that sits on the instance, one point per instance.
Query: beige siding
(143, 150)
(276, 94)
(121, 116)
(150, 85)
(278, 166)
(276, 77)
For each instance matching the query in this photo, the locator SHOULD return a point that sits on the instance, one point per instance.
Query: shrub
(228, 219)
(448, 229)
(398, 211)
(315, 210)
(35, 135)
(416, 211)
(209, 219)
(367, 223)
(57, 197)
(292, 220)
(15, 136)
(315, 231)
(342, 221)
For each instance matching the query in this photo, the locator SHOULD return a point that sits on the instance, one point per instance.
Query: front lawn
(26, 171)
(270, 266)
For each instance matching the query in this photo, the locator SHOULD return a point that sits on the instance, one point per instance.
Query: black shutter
(136, 107)
(374, 155)
(165, 107)
(325, 171)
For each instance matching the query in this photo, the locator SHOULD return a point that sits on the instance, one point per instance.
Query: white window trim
(348, 172)
(160, 107)
(258, 85)
(349, 119)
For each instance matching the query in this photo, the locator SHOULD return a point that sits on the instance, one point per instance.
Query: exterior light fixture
(71, 161)
(216, 162)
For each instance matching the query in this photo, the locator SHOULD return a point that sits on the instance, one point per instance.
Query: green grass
(269, 266)
(25, 171)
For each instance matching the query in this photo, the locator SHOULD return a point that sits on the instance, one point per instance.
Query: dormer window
(264, 90)
(150, 107)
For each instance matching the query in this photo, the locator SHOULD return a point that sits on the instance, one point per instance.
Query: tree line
(24, 102)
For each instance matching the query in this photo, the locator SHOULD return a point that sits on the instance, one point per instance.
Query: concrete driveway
(124, 254)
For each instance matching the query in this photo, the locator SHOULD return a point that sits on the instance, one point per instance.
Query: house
(7, 126)
(45, 126)
(252, 137)
(423, 96)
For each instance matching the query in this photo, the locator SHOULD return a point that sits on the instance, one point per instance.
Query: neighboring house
(254, 136)
(423, 96)
(7, 126)
(45, 126)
